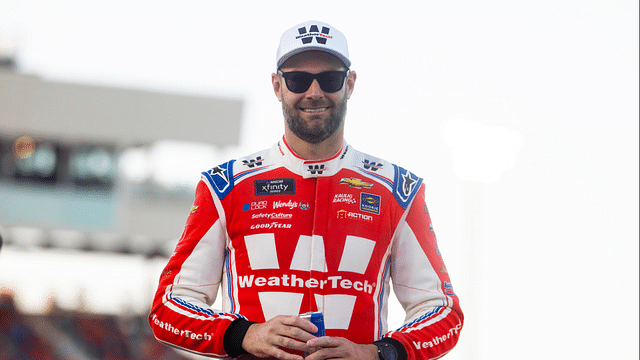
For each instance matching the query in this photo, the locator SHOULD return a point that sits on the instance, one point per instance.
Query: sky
(521, 116)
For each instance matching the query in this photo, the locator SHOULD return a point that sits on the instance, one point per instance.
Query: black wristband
(233, 337)
(402, 352)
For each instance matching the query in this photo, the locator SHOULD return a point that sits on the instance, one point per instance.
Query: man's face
(315, 115)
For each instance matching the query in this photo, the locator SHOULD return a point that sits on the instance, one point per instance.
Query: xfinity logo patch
(275, 187)
(320, 36)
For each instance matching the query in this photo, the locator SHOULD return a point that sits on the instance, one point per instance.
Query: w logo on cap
(320, 36)
(301, 37)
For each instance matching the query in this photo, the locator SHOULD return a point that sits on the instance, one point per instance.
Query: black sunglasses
(300, 81)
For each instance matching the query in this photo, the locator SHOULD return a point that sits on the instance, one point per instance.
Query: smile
(314, 110)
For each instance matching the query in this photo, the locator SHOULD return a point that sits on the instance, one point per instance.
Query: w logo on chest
(334, 294)
(253, 162)
(315, 169)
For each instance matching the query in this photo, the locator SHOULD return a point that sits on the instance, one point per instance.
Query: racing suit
(281, 235)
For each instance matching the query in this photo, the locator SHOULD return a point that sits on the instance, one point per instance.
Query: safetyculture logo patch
(307, 37)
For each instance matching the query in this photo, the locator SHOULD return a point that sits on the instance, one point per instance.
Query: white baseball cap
(313, 35)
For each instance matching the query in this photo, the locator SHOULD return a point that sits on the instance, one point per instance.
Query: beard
(313, 131)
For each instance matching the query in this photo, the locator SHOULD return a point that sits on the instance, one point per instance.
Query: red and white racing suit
(278, 234)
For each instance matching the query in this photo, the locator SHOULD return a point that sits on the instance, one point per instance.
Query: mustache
(314, 103)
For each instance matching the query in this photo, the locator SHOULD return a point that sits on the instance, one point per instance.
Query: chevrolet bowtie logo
(356, 183)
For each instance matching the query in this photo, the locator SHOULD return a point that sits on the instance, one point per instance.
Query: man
(310, 225)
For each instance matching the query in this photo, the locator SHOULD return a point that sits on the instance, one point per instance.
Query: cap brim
(297, 51)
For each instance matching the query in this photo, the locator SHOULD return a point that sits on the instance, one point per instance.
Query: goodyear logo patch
(370, 203)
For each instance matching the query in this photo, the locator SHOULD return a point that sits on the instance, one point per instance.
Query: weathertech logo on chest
(334, 286)
(308, 36)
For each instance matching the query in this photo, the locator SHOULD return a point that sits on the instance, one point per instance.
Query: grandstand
(83, 236)
(58, 334)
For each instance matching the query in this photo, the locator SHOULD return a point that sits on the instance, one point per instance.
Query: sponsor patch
(275, 187)
(271, 225)
(373, 166)
(344, 198)
(286, 204)
(448, 289)
(273, 216)
(256, 205)
(355, 183)
(348, 215)
(370, 203)
(253, 162)
(316, 169)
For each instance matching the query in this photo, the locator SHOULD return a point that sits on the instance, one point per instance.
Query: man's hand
(328, 347)
(268, 339)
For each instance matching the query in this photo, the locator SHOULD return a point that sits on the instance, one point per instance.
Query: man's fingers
(278, 334)
(299, 322)
(283, 355)
(323, 342)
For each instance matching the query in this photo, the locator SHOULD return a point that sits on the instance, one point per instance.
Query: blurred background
(521, 116)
